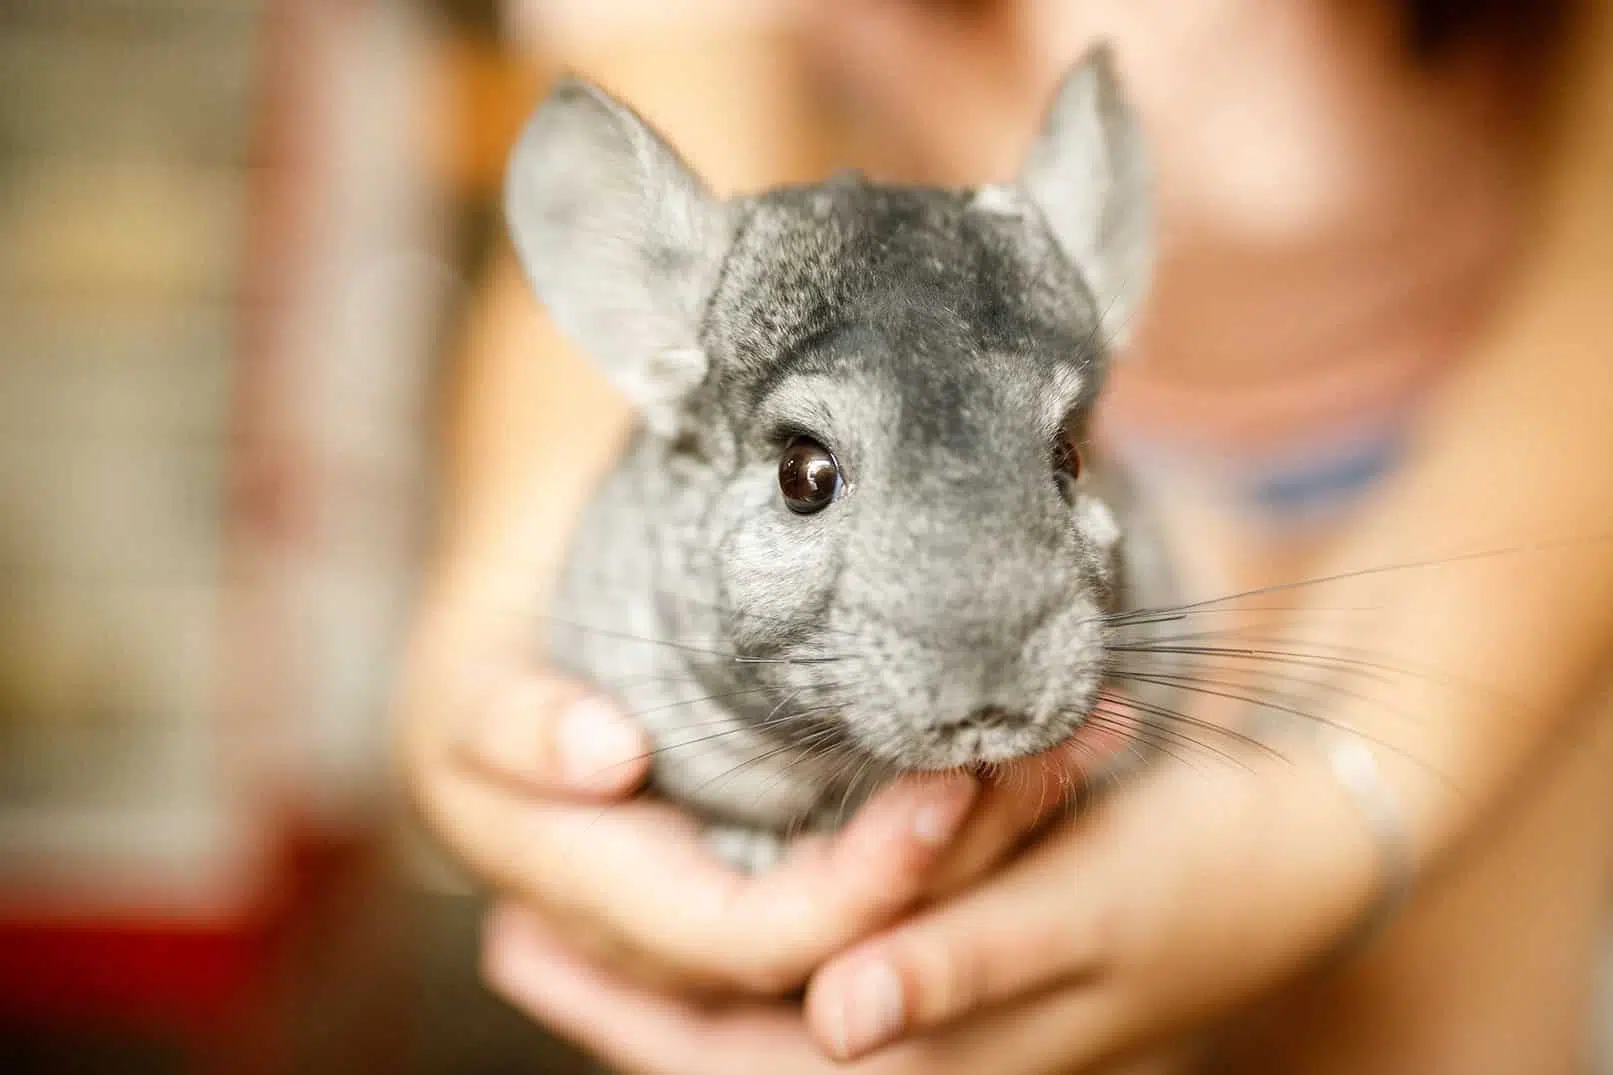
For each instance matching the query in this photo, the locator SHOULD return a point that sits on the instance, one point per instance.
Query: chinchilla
(859, 530)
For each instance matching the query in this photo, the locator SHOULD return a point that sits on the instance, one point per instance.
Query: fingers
(1123, 930)
(1190, 889)
(550, 736)
(639, 1031)
(1026, 930)
(707, 923)
(1023, 797)
(474, 704)
(830, 892)
(513, 770)
(631, 1028)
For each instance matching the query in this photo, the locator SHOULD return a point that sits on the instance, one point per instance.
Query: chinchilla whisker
(628, 682)
(788, 660)
(719, 657)
(1274, 632)
(1161, 726)
(663, 749)
(774, 719)
(628, 636)
(1319, 651)
(1279, 665)
(1170, 717)
(1042, 780)
(619, 683)
(806, 747)
(688, 739)
(697, 665)
(786, 700)
(1246, 654)
(1183, 683)
(822, 707)
(1111, 776)
(1142, 619)
(1164, 712)
(1046, 777)
(1358, 667)
(1115, 775)
(735, 770)
(1097, 333)
(1102, 717)
(703, 649)
(1364, 572)
(1070, 787)
(744, 692)
(598, 581)
(851, 785)
(1313, 718)
(732, 726)
(829, 753)
(815, 748)
(1193, 673)
(1181, 747)
(683, 745)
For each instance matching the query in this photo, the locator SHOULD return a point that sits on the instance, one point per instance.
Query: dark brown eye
(808, 476)
(1067, 458)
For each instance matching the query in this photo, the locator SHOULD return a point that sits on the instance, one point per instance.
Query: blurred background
(238, 236)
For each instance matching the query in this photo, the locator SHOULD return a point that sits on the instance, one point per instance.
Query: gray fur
(944, 611)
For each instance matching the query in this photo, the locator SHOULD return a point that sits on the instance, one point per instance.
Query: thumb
(551, 735)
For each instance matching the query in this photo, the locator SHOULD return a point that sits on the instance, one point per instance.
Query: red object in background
(209, 988)
(136, 973)
(217, 991)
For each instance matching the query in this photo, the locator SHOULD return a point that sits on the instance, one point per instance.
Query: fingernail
(871, 1011)
(596, 744)
(935, 822)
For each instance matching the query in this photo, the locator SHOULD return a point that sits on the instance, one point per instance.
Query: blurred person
(1373, 337)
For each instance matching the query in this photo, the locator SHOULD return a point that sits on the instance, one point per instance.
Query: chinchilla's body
(859, 531)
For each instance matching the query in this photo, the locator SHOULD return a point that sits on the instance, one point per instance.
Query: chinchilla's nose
(976, 693)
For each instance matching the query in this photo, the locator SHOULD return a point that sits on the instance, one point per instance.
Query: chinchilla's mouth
(974, 744)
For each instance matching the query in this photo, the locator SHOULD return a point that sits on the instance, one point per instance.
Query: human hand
(529, 777)
(1193, 889)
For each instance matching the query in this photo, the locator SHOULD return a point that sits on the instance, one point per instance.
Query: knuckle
(944, 980)
(1103, 937)
(925, 1056)
(745, 955)
(767, 978)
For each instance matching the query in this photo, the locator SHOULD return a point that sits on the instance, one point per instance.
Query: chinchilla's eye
(1067, 459)
(808, 476)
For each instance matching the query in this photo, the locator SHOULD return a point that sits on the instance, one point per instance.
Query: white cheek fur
(996, 201)
(1097, 521)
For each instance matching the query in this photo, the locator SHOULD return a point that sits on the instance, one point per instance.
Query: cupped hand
(1196, 887)
(530, 779)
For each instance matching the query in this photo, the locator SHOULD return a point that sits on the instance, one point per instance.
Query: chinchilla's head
(886, 391)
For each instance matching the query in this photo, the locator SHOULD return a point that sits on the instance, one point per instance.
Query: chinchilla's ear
(1088, 171)
(620, 240)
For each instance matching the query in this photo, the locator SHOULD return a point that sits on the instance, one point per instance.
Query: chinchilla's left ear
(1089, 173)
(620, 240)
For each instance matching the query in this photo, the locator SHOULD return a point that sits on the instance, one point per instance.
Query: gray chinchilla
(858, 532)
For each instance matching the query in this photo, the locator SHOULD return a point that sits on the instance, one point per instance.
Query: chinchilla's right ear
(620, 240)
